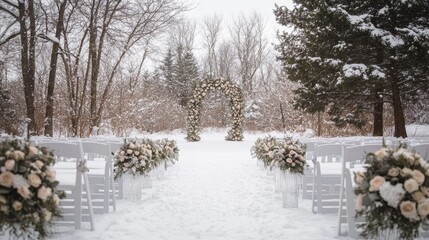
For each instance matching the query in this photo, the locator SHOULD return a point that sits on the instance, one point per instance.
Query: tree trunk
(283, 117)
(378, 114)
(319, 124)
(28, 64)
(49, 114)
(398, 113)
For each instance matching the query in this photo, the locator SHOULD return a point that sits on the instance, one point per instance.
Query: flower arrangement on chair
(29, 198)
(393, 193)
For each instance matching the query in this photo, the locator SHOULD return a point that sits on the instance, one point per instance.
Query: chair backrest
(328, 152)
(422, 149)
(64, 149)
(357, 154)
(98, 148)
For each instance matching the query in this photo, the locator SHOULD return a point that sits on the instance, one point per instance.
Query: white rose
(418, 176)
(406, 172)
(423, 208)
(411, 185)
(17, 205)
(18, 155)
(9, 164)
(408, 210)
(381, 153)
(136, 153)
(359, 202)
(129, 151)
(418, 196)
(121, 153)
(33, 151)
(3, 199)
(39, 164)
(359, 177)
(24, 192)
(376, 183)
(56, 199)
(393, 172)
(6, 179)
(47, 215)
(34, 180)
(132, 146)
(43, 193)
(50, 174)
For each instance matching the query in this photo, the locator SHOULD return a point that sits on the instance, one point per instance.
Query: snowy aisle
(216, 191)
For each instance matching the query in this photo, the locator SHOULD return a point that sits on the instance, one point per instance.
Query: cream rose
(33, 150)
(381, 153)
(17, 205)
(375, 183)
(43, 193)
(393, 172)
(47, 215)
(408, 210)
(56, 199)
(406, 172)
(24, 192)
(411, 185)
(34, 180)
(359, 177)
(9, 164)
(132, 146)
(418, 196)
(39, 164)
(50, 174)
(289, 160)
(418, 176)
(3, 199)
(6, 179)
(423, 208)
(18, 155)
(359, 202)
(129, 151)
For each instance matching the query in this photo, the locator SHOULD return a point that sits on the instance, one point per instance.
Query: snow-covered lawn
(215, 191)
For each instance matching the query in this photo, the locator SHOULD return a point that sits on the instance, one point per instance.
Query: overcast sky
(230, 8)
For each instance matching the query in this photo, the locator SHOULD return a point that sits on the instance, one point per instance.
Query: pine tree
(167, 70)
(349, 57)
(185, 72)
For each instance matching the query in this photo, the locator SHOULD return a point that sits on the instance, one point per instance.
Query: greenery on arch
(236, 103)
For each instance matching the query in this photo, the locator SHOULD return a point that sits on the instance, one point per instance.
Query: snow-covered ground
(215, 191)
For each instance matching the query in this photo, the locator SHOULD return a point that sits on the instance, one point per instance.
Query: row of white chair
(85, 172)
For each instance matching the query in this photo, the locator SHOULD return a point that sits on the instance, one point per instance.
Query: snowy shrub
(29, 198)
(140, 158)
(393, 193)
(286, 154)
(235, 100)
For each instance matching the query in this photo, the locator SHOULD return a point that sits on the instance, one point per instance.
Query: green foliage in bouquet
(236, 103)
(393, 193)
(287, 154)
(139, 158)
(29, 198)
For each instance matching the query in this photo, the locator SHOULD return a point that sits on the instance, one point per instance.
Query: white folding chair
(72, 206)
(119, 183)
(346, 214)
(100, 175)
(327, 176)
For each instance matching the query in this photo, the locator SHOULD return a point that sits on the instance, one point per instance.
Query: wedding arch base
(236, 103)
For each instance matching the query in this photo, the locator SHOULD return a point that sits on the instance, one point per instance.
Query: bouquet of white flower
(287, 154)
(393, 193)
(140, 158)
(28, 190)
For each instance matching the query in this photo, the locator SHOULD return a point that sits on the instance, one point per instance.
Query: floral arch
(236, 103)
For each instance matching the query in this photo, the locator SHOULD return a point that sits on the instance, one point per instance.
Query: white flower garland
(236, 102)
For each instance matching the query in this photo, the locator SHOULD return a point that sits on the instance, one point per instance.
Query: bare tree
(23, 13)
(182, 34)
(247, 35)
(212, 27)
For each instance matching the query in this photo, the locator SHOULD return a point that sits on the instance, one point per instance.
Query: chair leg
(88, 197)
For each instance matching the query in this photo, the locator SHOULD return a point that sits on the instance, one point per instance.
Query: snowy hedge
(236, 103)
